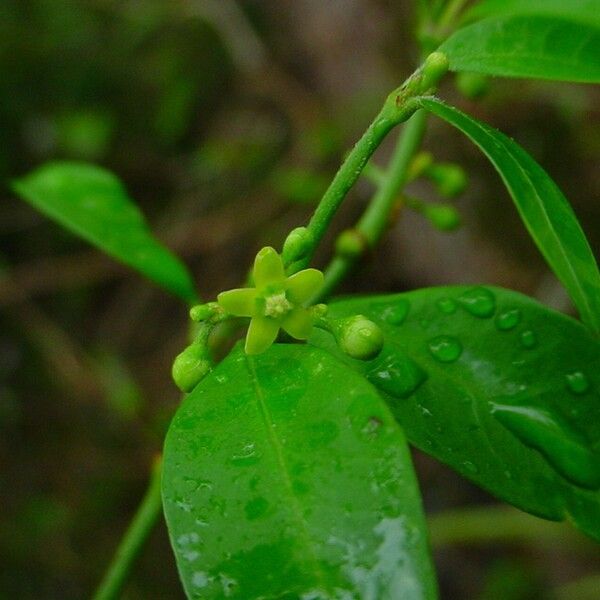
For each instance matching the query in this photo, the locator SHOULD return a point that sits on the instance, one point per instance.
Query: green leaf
(285, 476)
(495, 385)
(526, 45)
(543, 208)
(92, 203)
(576, 10)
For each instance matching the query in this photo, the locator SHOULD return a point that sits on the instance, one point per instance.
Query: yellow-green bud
(359, 338)
(202, 312)
(435, 67)
(297, 245)
(450, 179)
(191, 366)
(419, 165)
(442, 216)
(351, 243)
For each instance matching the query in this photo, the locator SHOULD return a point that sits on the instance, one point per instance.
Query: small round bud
(360, 338)
(472, 85)
(450, 179)
(435, 67)
(442, 216)
(351, 243)
(201, 312)
(297, 245)
(191, 366)
(419, 165)
(319, 310)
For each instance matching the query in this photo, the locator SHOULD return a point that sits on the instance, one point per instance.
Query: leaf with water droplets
(285, 475)
(92, 203)
(542, 206)
(501, 388)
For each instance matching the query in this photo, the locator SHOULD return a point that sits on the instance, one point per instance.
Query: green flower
(276, 301)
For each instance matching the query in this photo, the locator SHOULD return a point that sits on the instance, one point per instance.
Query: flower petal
(261, 334)
(240, 302)
(298, 323)
(268, 268)
(303, 285)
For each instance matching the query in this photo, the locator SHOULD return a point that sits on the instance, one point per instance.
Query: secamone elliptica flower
(276, 302)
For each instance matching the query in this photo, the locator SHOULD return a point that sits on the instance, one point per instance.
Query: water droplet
(199, 579)
(577, 382)
(396, 374)
(395, 314)
(508, 319)
(470, 467)
(445, 348)
(247, 457)
(372, 426)
(446, 306)
(528, 339)
(562, 447)
(479, 302)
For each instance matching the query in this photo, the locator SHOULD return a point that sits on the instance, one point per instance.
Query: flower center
(277, 305)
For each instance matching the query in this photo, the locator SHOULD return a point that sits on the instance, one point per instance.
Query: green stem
(451, 11)
(345, 178)
(134, 539)
(376, 218)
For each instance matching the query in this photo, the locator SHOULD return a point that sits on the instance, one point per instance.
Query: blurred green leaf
(536, 46)
(543, 208)
(584, 10)
(92, 203)
(285, 476)
(499, 387)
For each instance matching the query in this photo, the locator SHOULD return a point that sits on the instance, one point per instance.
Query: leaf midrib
(295, 508)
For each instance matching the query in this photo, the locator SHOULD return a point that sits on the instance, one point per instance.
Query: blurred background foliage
(226, 120)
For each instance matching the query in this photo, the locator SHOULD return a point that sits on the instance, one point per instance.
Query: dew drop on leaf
(479, 302)
(446, 306)
(396, 314)
(396, 374)
(508, 319)
(563, 449)
(528, 339)
(470, 467)
(577, 382)
(445, 348)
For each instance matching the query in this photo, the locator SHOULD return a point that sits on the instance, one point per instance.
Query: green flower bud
(472, 85)
(419, 165)
(202, 312)
(297, 245)
(442, 216)
(351, 243)
(435, 67)
(359, 338)
(450, 179)
(191, 366)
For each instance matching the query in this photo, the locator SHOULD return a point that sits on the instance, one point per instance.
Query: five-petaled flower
(276, 302)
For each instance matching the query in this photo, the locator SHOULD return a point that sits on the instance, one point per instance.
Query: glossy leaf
(286, 476)
(92, 203)
(495, 385)
(543, 46)
(543, 208)
(576, 10)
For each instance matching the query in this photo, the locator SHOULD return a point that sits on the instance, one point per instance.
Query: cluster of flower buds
(276, 302)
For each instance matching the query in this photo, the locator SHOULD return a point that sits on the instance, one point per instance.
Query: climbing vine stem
(134, 539)
(378, 215)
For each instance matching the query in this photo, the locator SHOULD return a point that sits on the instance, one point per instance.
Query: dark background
(225, 120)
